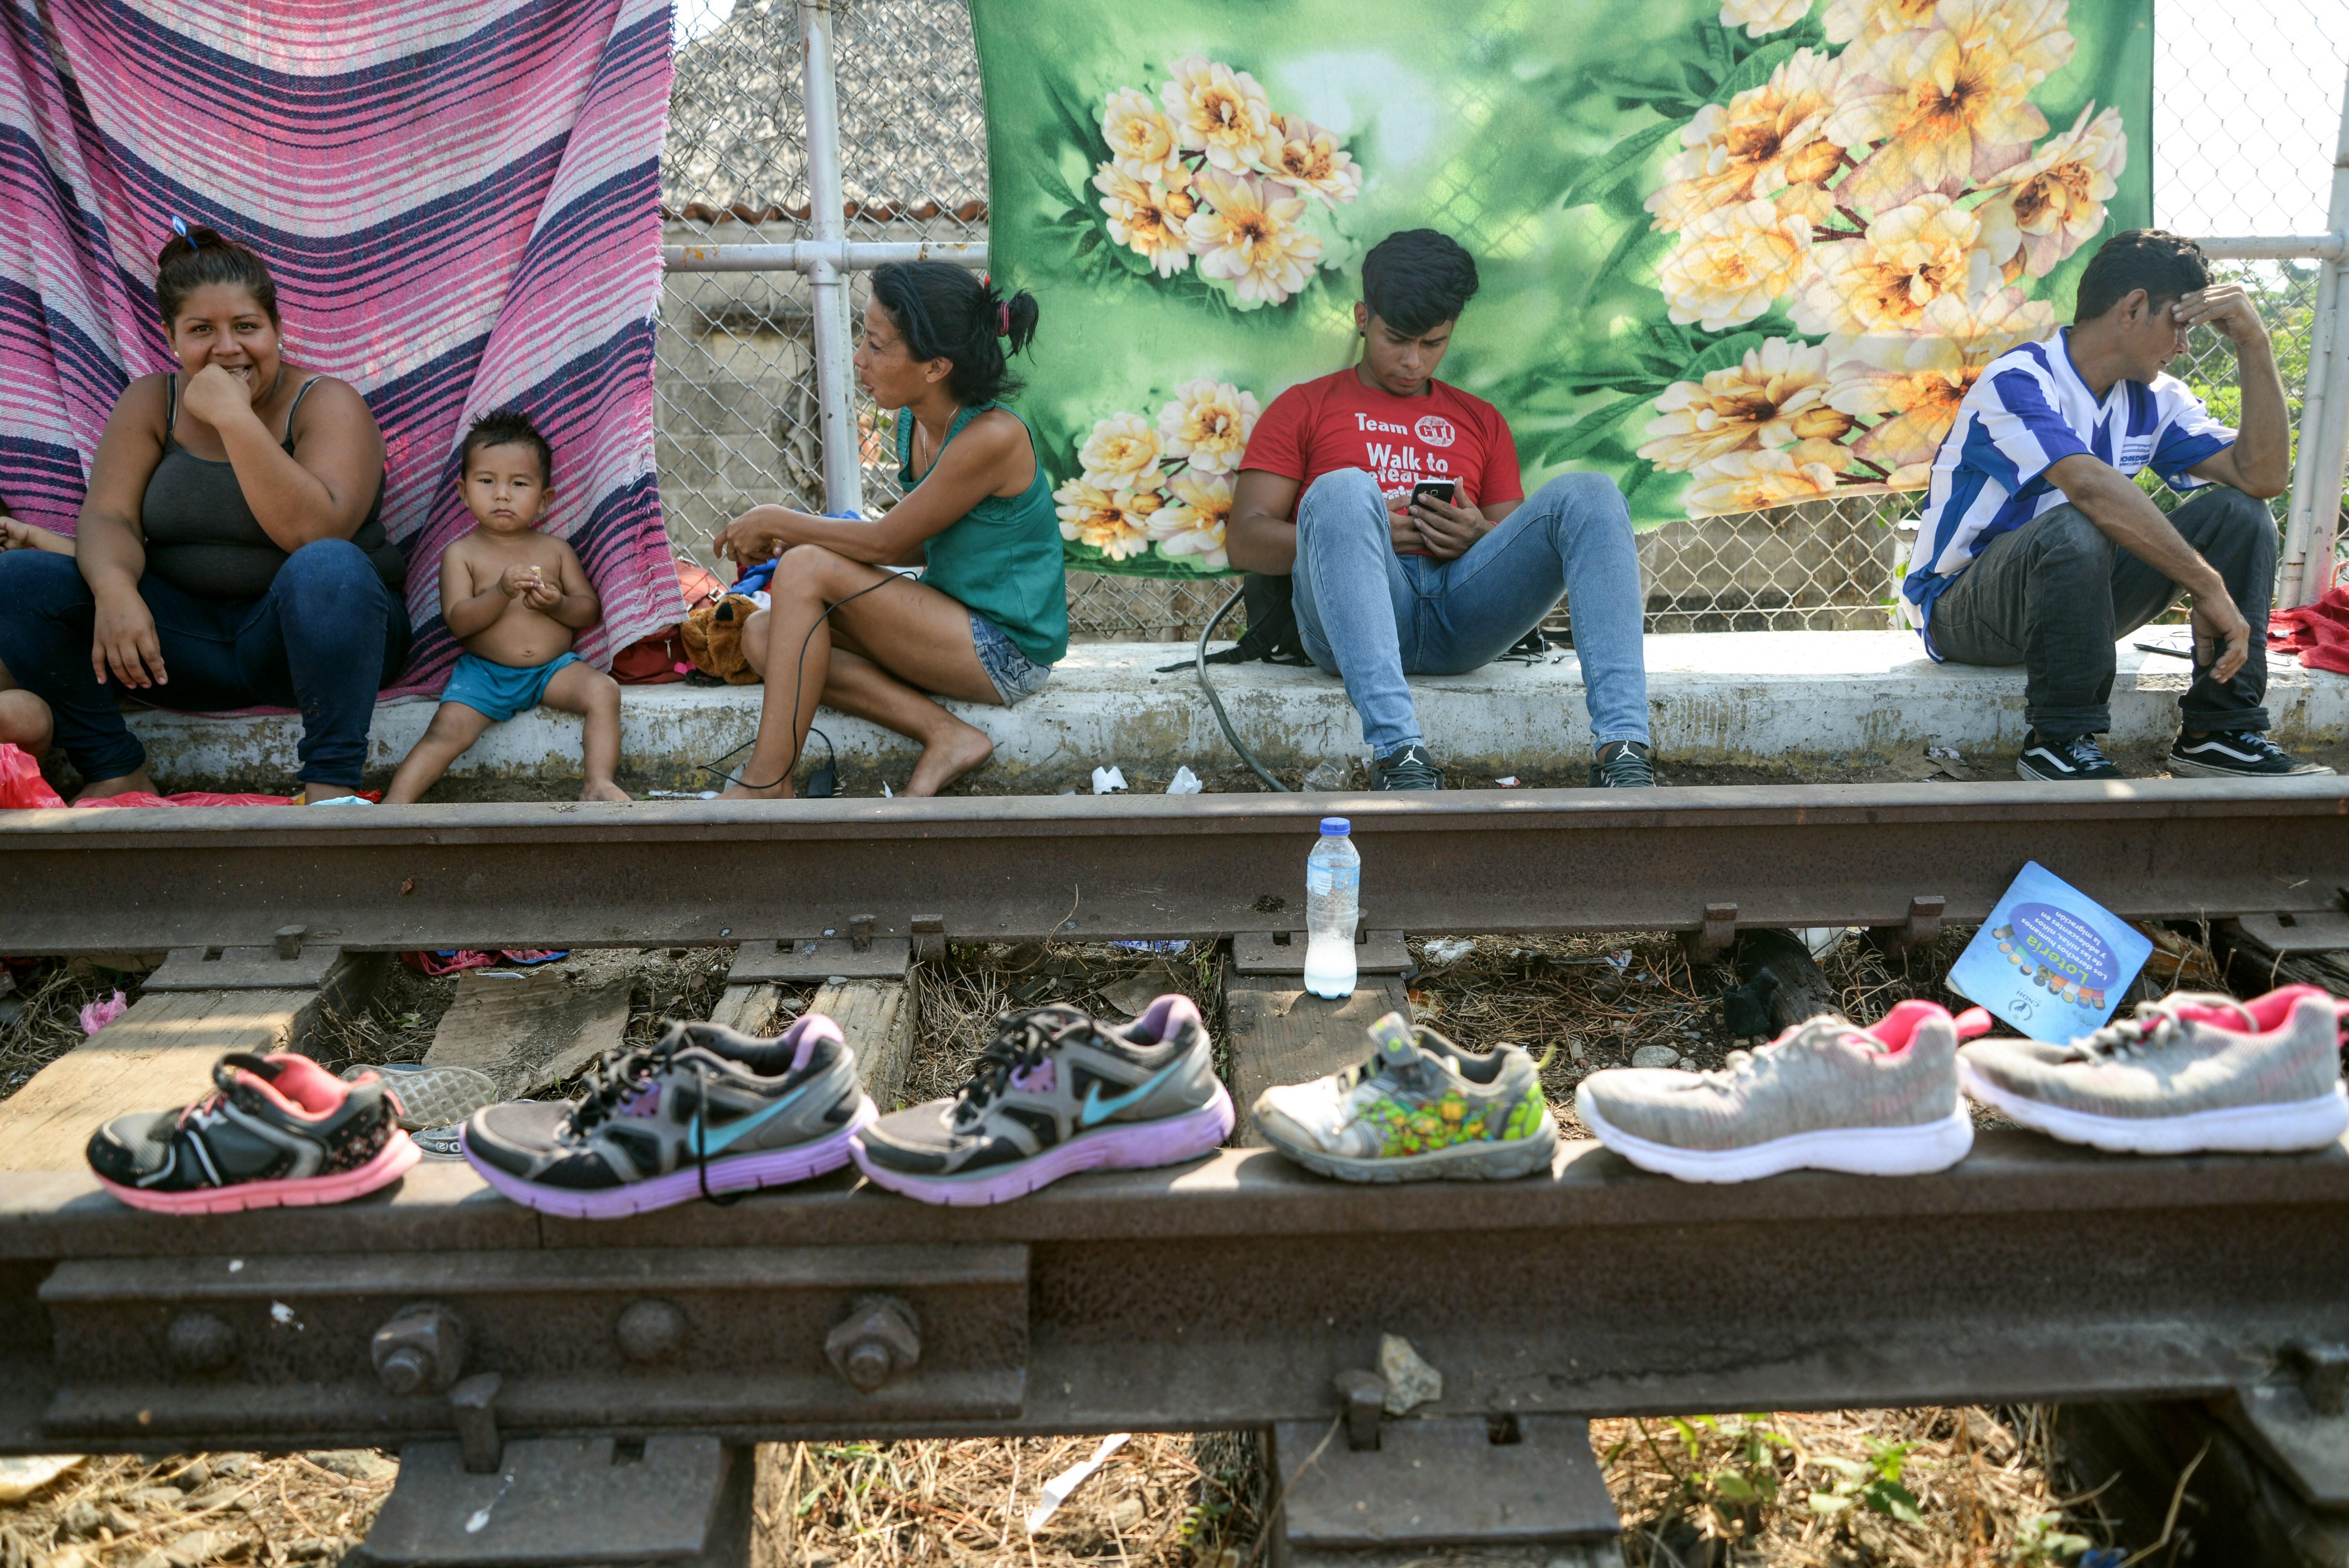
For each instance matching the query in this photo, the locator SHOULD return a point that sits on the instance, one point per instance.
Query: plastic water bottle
(1333, 900)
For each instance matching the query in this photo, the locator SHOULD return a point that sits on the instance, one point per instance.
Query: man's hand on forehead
(2227, 307)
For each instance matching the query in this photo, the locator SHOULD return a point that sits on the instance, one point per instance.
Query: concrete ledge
(1765, 699)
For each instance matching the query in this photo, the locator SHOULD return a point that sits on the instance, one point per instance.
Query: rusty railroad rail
(1703, 860)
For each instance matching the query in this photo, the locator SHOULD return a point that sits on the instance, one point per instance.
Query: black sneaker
(1624, 765)
(2058, 761)
(2235, 754)
(1406, 767)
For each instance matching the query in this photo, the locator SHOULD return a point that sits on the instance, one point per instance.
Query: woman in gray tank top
(231, 550)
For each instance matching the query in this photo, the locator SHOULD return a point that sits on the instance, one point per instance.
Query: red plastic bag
(22, 787)
(139, 797)
(657, 659)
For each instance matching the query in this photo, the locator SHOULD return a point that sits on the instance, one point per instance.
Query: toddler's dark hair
(206, 256)
(507, 427)
(2164, 264)
(1417, 280)
(947, 312)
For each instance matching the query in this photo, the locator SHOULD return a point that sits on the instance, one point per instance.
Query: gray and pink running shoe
(1056, 1092)
(703, 1111)
(1827, 1095)
(276, 1131)
(2188, 1073)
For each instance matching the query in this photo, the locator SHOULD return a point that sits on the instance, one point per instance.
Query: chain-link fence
(2248, 102)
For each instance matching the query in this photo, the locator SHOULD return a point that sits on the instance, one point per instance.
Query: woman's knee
(324, 563)
(807, 568)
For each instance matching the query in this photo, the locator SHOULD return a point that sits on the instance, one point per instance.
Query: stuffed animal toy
(713, 639)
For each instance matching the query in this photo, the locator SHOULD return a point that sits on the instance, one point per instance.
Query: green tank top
(1003, 557)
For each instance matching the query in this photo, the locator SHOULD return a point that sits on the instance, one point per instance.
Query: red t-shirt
(1337, 422)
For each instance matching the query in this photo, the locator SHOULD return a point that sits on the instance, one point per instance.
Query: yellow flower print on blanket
(1205, 169)
(1875, 210)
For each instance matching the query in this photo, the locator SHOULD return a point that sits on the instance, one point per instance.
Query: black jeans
(2056, 593)
(326, 638)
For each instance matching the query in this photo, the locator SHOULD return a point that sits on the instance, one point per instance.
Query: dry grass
(1906, 1488)
(1160, 1501)
(194, 1512)
(49, 1024)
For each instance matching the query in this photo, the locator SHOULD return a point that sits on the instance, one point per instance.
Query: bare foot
(603, 789)
(780, 790)
(137, 780)
(948, 758)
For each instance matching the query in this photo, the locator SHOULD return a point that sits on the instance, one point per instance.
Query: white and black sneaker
(2235, 754)
(1406, 767)
(2058, 761)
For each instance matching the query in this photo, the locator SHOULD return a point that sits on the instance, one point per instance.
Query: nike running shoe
(1824, 1096)
(1419, 1108)
(2187, 1074)
(1057, 1092)
(702, 1111)
(277, 1130)
(2235, 754)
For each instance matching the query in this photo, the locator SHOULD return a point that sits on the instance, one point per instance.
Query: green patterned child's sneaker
(1419, 1110)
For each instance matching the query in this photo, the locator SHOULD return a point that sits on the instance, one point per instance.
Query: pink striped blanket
(459, 199)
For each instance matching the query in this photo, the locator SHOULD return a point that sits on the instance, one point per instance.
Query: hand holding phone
(1443, 490)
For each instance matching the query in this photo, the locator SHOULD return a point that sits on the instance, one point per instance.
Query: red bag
(660, 658)
(22, 786)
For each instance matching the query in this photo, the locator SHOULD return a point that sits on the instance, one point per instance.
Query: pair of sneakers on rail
(2188, 1073)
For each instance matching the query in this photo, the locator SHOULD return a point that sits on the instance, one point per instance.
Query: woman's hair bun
(947, 312)
(197, 255)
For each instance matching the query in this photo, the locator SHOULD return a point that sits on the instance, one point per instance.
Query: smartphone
(1443, 490)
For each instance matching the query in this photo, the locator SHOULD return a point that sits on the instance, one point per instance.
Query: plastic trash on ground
(1326, 776)
(1185, 782)
(1056, 1489)
(1105, 780)
(1449, 950)
(96, 1016)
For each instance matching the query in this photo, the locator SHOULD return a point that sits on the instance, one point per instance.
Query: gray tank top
(202, 535)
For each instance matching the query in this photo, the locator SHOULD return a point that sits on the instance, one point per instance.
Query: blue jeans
(1373, 617)
(324, 639)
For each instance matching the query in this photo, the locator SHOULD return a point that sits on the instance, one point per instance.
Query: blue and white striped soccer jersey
(2029, 410)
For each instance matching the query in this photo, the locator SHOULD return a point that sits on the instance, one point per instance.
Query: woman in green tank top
(987, 620)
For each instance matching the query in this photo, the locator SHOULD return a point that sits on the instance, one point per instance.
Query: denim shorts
(1016, 676)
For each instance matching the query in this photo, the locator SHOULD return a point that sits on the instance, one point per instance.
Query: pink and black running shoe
(1056, 1092)
(279, 1130)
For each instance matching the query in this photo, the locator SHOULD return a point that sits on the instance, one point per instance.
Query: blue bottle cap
(1335, 827)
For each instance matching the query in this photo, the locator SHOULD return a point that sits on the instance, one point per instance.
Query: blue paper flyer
(2050, 960)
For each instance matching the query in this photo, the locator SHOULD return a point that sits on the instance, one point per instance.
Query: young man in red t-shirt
(1391, 583)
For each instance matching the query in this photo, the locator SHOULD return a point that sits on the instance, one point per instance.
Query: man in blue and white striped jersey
(2038, 548)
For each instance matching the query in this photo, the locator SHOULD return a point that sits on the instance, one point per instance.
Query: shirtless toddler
(514, 597)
